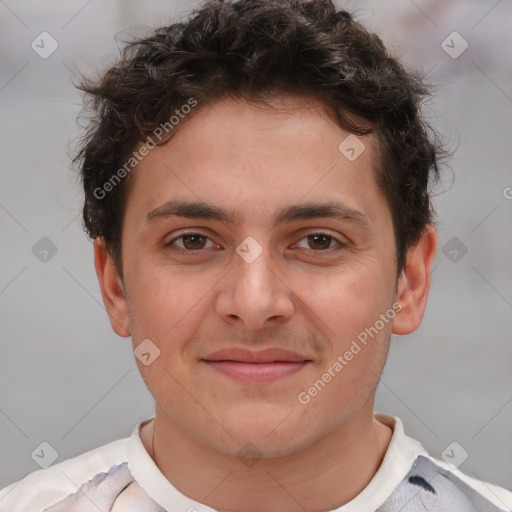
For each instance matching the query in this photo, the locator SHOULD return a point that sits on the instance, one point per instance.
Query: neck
(324, 476)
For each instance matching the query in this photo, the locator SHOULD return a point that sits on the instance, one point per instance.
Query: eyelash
(340, 247)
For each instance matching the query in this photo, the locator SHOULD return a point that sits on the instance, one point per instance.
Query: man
(257, 189)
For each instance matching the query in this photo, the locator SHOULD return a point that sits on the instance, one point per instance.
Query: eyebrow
(205, 211)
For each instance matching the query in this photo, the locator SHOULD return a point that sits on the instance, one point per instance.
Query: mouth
(250, 366)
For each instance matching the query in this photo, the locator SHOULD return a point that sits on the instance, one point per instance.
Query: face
(268, 266)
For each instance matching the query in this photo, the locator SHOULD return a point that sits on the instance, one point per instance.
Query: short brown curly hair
(257, 49)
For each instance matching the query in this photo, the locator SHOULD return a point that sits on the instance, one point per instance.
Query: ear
(414, 283)
(112, 289)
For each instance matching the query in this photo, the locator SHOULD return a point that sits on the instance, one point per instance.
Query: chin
(259, 445)
(272, 436)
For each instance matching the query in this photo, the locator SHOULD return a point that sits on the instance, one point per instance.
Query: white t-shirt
(122, 477)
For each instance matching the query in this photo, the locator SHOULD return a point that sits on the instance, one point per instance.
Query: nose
(254, 295)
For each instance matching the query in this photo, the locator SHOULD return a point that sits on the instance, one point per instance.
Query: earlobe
(112, 289)
(414, 283)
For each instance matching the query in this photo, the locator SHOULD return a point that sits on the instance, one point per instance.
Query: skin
(298, 294)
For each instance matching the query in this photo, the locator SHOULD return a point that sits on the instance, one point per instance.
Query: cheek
(167, 308)
(343, 303)
(346, 307)
(163, 299)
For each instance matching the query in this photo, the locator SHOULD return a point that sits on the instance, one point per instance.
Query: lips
(269, 355)
(251, 366)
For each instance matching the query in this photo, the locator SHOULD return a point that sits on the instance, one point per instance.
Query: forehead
(254, 161)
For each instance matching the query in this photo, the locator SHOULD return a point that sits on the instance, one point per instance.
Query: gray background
(67, 379)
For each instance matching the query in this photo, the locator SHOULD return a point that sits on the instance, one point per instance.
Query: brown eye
(321, 242)
(193, 241)
(190, 242)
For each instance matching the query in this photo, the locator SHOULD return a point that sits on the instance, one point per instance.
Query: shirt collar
(398, 460)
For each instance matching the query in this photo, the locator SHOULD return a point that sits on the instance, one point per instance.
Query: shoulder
(432, 484)
(43, 488)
